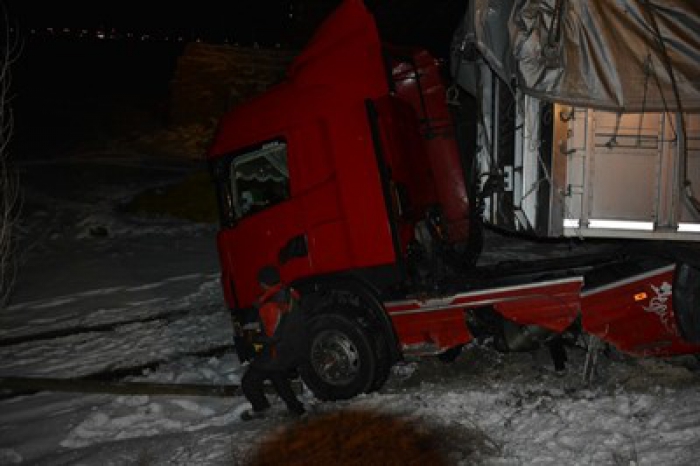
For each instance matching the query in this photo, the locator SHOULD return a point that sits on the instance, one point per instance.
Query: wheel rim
(335, 358)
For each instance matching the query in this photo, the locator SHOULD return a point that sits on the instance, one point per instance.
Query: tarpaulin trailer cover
(621, 56)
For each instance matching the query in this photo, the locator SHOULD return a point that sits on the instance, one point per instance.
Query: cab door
(267, 227)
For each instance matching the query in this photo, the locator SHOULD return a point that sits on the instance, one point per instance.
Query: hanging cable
(612, 142)
(666, 106)
(687, 184)
(647, 72)
(550, 51)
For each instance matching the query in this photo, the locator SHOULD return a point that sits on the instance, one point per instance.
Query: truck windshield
(260, 179)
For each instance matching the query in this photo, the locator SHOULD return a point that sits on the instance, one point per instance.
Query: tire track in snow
(66, 299)
(104, 327)
(111, 380)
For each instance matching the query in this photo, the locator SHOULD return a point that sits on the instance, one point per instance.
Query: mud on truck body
(353, 177)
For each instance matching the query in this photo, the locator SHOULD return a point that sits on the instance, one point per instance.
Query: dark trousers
(252, 385)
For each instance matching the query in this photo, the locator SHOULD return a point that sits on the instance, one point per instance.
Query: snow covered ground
(103, 291)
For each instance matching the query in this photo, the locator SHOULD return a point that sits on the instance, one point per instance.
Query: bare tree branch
(10, 48)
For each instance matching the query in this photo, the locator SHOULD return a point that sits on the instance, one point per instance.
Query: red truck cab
(332, 169)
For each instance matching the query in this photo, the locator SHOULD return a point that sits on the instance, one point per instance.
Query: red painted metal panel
(345, 52)
(554, 308)
(553, 305)
(360, 187)
(636, 315)
(432, 332)
(342, 64)
(337, 200)
(420, 83)
(255, 242)
(413, 185)
(405, 155)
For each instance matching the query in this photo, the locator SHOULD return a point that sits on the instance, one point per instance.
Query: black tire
(342, 359)
(384, 363)
(450, 355)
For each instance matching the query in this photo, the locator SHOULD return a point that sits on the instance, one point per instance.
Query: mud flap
(686, 302)
(595, 347)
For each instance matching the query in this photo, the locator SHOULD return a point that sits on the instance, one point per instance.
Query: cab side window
(259, 179)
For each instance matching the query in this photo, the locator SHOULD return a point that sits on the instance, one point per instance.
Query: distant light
(100, 35)
(621, 225)
(689, 227)
(572, 223)
(66, 30)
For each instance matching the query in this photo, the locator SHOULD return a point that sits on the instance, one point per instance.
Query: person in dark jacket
(281, 346)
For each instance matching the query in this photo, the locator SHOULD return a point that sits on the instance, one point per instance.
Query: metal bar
(85, 385)
(450, 300)
(629, 280)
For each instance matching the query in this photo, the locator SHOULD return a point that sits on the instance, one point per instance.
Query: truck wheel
(383, 367)
(342, 361)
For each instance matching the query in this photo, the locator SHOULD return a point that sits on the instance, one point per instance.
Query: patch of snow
(509, 408)
(9, 456)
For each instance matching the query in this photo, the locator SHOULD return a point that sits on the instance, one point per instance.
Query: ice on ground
(9, 456)
(489, 408)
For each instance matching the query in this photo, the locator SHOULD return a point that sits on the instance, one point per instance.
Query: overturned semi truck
(354, 176)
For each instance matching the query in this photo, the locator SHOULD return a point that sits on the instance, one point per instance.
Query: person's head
(268, 276)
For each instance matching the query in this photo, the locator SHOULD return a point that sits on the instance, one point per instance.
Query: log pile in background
(211, 79)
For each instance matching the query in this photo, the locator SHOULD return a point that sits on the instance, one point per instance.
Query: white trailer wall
(623, 174)
(609, 175)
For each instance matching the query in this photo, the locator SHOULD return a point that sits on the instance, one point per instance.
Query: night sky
(264, 21)
(286, 22)
(202, 14)
(66, 88)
